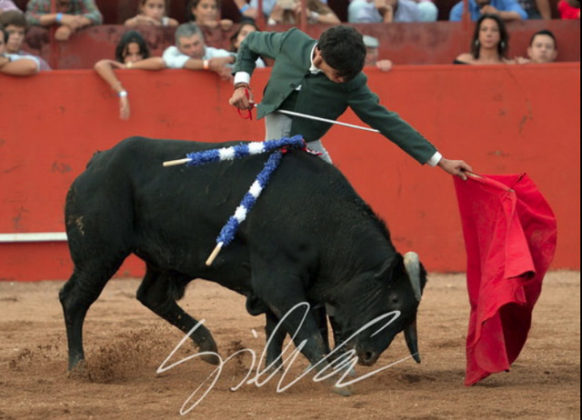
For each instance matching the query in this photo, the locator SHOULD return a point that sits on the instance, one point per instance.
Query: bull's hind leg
(76, 296)
(155, 292)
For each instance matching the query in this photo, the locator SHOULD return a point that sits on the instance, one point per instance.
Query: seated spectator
(428, 10)
(14, 23)
(375, 11)
(191, 53)
(152, 13)
(506, 9)
(543, 48)
(536, 9)
(207, 13)
(6, 5)
(131, 52)
(246, 26)
(569, 9)
(13, 64)
(489, 43)
(372, 44)
(289, 12)
(71, 15)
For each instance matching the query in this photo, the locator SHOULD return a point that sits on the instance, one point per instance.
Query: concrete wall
(501, 119)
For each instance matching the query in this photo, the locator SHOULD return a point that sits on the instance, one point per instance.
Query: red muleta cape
(510, 238)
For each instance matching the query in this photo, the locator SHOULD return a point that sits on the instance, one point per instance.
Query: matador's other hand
(455, 167)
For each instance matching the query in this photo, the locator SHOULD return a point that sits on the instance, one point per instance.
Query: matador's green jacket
(320, 96)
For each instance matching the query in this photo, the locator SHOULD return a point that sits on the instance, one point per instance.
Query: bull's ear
(389, 267)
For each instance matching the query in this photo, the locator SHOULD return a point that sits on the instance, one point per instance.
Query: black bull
(309, 238)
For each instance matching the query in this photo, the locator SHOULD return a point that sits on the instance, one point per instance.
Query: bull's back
(172, 215)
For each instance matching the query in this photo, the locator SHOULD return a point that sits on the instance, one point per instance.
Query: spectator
(536, 9)
(375, 11)
(191, 53)
(489, 43)
(372, 44)
(569, 9)
(6, 5)
(428, 10)
(71, 15)
(131, 52)
(506, 9)
(246, 27)
(13, 64)
(289, 12)
(14, 23)
(207, 13)
(543, 48)
(153, 13)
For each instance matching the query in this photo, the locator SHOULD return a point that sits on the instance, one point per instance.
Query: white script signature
(340, 367)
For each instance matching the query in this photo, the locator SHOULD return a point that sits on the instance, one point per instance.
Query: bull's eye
(394, 299)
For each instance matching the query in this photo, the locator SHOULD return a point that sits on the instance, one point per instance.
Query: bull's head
(394, 289)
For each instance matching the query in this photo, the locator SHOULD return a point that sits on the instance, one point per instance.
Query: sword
(313, 117)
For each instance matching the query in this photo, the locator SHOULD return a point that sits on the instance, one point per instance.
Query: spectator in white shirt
(15, 64)
(191, 53)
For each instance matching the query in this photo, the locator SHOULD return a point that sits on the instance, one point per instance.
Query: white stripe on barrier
(33, 237)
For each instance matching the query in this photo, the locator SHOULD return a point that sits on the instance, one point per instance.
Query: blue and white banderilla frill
(229, 229)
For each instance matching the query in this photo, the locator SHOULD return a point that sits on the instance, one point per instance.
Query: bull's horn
(412, 341)
(412, 265)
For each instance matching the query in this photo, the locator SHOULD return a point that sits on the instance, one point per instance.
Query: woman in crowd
(489, 43)
(207, 13)
(131, 52)
(151, 12)
(246, 27)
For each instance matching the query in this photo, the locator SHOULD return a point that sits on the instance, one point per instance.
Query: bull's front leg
(276, 336)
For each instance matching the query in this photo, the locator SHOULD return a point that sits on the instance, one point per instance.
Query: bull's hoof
(78, 371)
(344, 391)
(210, 359)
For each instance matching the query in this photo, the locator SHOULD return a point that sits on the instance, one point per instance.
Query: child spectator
(372, 44)
(191, 53)
(13, 64)
(71, 15)
(543, 48)
(14, 24)
(375, 11)
(289, 12)
(246, 26)
(506, 9)
(569, 9)
(151, 12)
(489, 43)
(131, 52)
(6, 5)
(207, 13)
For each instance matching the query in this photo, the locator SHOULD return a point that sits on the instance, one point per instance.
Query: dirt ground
(125, 343)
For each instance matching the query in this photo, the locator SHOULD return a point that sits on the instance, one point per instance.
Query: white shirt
(175, 59)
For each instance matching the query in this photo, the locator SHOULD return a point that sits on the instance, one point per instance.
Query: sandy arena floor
(125, 343)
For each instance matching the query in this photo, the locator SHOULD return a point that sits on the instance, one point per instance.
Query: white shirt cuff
(242, 77)
(435, 159)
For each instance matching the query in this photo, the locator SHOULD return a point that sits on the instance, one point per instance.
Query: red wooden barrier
(501, 119)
